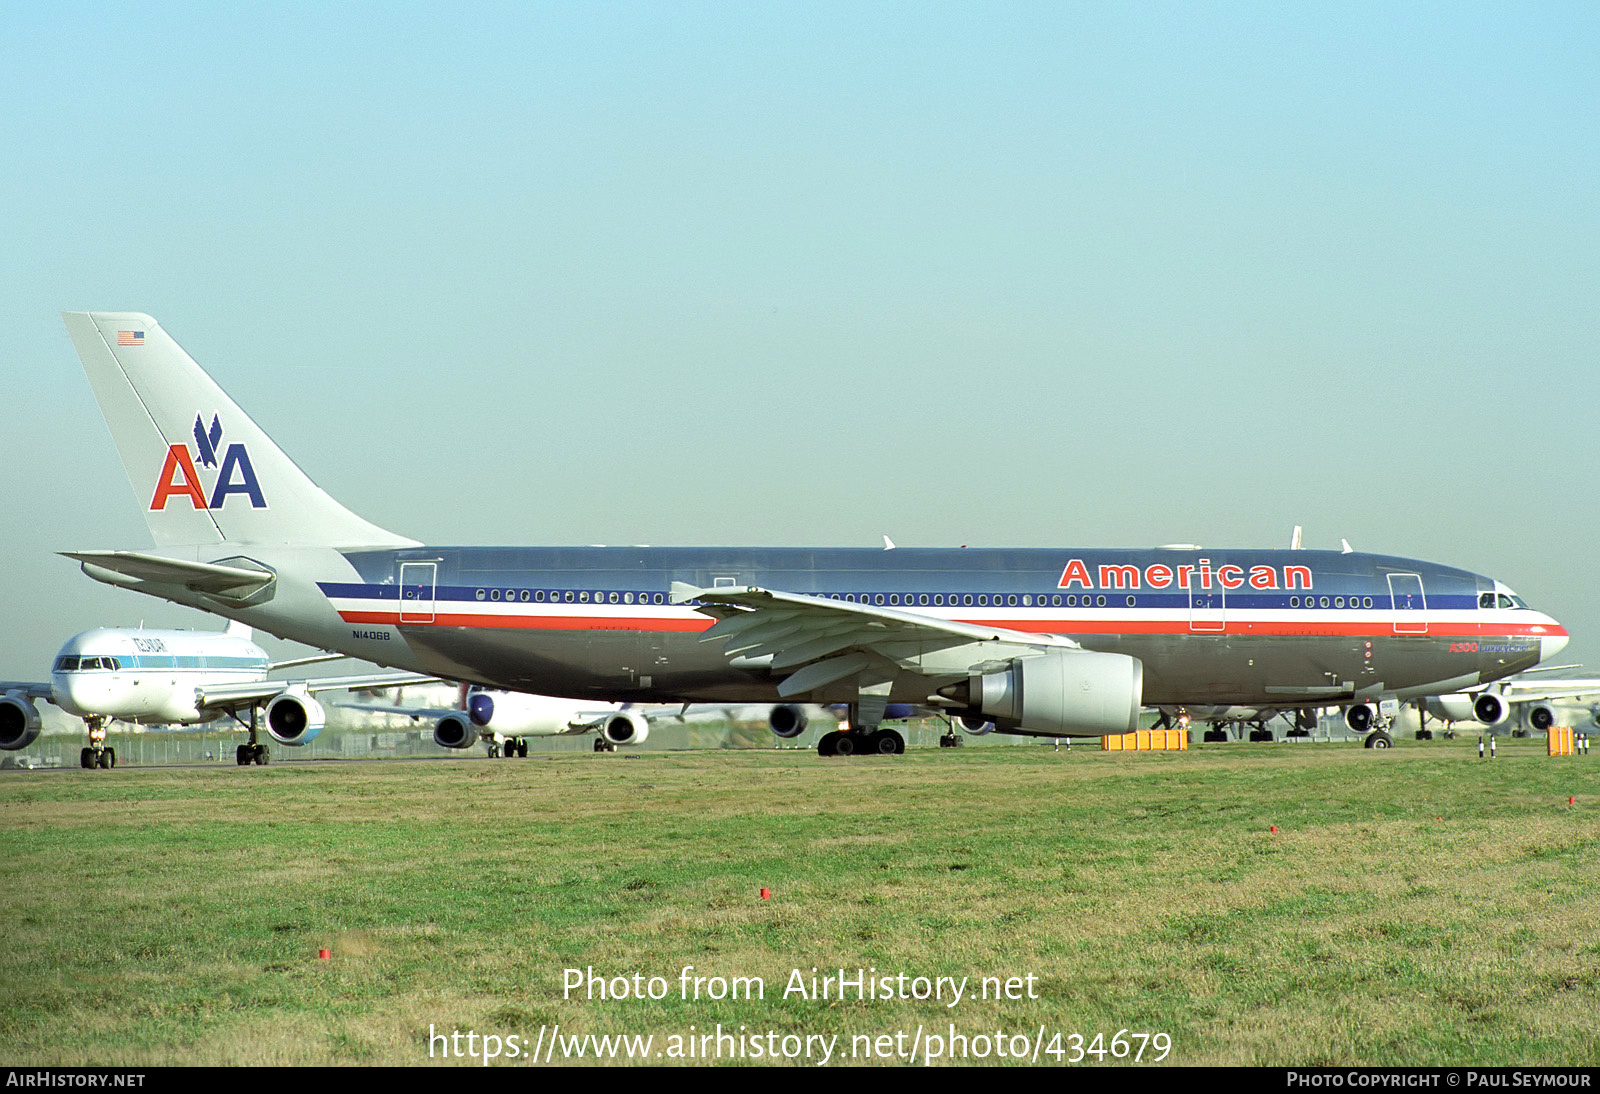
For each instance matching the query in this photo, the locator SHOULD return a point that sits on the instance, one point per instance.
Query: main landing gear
(854, 742)
(255, 752)
(98, 753)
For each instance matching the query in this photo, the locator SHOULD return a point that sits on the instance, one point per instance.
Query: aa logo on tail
(180, 477)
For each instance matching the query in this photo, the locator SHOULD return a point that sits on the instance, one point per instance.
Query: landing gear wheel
(111, 757)
(494, 751)
(886, 742)
(848, 744)
(522, 749)
(244, 754)
(86, 757)
(103, 761)
(951, 740)
(1380, 739)
(828, 743)
(262, 756)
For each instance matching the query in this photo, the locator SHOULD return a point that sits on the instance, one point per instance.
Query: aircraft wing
(233, 695)
(818, 641)
(31, 689)
(1520, 690)
(579, 722)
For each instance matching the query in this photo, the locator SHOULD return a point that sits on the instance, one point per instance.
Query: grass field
(1414, 907)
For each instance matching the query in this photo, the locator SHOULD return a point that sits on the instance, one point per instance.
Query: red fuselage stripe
(1435, 628)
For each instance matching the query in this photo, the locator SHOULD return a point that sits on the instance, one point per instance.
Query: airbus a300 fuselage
(1052, 642)
(1257, 627)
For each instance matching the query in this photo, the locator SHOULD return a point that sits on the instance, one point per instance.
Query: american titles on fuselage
(1159, 575)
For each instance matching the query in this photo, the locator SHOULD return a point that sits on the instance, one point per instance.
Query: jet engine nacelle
(1074, 693)
(788, 720)
(19, 722)
(455, 731)
(1360, 717)
(976, 724)
(1451, 708)
(625, 728)
(1541, 716)
(295, 719)
(1490, 708)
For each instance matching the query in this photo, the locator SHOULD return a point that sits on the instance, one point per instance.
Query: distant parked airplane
(504, 720)
(175, 677)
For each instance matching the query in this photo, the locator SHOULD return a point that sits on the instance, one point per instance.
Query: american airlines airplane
(1047, 642)
(153, 677)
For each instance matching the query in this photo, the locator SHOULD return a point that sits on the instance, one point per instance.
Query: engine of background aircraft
(1491, 709)
(294, 719)
(19, 722)
(625, 728)
(455, 731)
(788, 720)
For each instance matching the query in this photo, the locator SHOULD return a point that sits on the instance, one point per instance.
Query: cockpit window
(66, 664)
(1485, 600)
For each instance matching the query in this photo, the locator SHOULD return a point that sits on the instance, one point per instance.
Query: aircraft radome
(161, 677)
(1048, 642)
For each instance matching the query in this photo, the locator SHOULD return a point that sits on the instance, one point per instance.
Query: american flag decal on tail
(130, 338)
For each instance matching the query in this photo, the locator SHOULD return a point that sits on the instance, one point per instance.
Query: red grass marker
(766, 894)
(1274, 829)
(1572, 801)
(322, 955)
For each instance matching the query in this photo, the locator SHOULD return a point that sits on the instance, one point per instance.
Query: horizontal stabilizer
(203, 577)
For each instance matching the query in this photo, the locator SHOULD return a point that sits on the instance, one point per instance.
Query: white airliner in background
(161, 677)
(504, 720)
(1542, 701)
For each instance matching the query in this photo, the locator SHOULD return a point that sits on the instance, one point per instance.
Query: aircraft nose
(72, 695)
(480, 708)
(1552, 644)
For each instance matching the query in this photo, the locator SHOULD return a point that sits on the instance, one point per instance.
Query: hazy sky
(996, 274)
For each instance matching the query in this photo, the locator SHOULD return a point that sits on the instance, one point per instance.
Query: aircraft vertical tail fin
(201, 470)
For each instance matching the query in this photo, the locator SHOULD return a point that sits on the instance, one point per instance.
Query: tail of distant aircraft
(201, 470)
